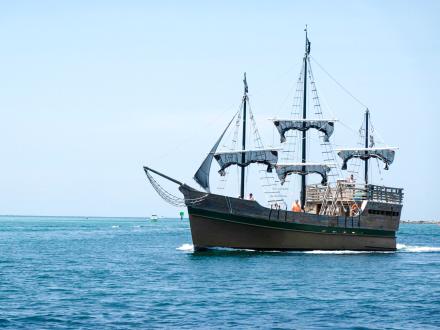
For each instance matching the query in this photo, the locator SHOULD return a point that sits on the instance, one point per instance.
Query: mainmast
(243, 142)
(367, 117)
(304, 132)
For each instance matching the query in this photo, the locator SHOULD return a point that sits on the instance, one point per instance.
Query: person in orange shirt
(354, 209)
(296, 207)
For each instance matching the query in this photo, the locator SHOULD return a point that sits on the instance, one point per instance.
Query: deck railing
(385, 194)
(347, 191)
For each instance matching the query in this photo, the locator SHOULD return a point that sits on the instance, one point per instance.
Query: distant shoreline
(76, 216)
(421, 222)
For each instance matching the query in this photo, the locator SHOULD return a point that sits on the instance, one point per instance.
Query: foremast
(244, 120)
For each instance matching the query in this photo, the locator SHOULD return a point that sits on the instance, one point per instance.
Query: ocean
(125, 273)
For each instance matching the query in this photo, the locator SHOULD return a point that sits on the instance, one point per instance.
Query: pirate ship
(335, 214)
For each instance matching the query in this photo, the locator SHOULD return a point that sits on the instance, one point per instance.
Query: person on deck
(251, 197)
(296, 207)
(354, 209)
(351, 179)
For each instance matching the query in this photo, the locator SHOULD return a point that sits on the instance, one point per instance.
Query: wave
(344, 252)
(417, 249)
(402, 248)
(115, 226)
(186, 247)
(190, 248)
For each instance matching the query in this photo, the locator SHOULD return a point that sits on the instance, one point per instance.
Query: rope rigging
(221, 185)
(170, 198)
(338, 83)
(271, 188)
(268, 182)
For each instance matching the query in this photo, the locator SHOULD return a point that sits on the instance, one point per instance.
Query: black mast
(304, 134)
(243, 142)
(367, 117)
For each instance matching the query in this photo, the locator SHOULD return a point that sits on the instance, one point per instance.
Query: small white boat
(154, 217)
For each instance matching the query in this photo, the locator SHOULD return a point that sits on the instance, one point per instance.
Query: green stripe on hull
(289, 225)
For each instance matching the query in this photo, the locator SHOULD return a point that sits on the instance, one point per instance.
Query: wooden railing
(348, 191)
(385, 194)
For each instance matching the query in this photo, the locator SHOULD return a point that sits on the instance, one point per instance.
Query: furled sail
(261, 156)
(283, 170)
(324, 126)
(202, 174)
(384, 154)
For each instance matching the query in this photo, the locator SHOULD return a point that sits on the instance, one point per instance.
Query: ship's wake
(401, 248)
(186, 247)
(417, 249)
(344, 252)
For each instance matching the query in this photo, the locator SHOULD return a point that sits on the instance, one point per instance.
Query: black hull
(208, 232)
(219, 221)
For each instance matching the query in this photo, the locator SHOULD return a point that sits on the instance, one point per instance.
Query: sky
(90, 91)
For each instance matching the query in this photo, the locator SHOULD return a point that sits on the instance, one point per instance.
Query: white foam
(115, 226)
(417, 249)
(186, 247)
(343, 252)
(400, 248)
(217, 248)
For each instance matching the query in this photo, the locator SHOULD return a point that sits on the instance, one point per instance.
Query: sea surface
(125, 273)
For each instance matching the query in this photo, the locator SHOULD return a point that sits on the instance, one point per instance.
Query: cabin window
(381, 212)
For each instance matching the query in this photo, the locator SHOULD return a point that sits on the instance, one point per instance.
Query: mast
(304, 132)
(243, 142)
(367, 117)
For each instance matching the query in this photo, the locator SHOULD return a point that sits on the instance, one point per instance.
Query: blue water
(70, 273)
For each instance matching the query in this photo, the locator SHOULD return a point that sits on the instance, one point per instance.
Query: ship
(343, 211)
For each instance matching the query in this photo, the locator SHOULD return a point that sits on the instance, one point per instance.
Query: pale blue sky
(92, 90)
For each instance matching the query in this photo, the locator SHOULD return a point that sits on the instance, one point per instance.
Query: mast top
(246, 89)
(307, 45)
